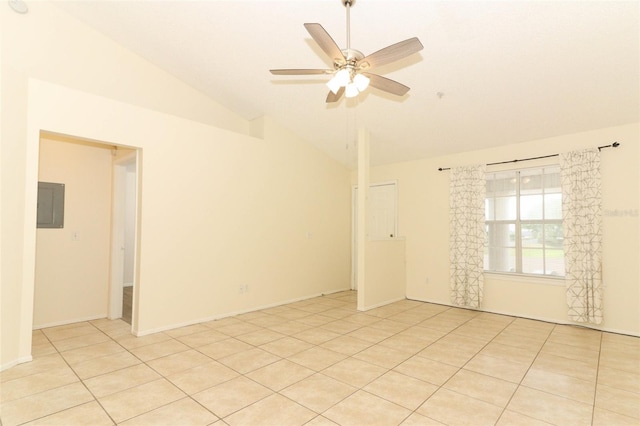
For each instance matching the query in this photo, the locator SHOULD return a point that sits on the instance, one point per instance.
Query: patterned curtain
(581, 223)
(467, 189)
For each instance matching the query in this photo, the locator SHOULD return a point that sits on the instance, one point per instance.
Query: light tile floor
(321, 362)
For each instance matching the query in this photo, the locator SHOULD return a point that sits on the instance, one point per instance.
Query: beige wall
(50, 45)
(385, 276)
(423, 219)
(251, 207)
(219, 209)
(72, 275)
(47, 44)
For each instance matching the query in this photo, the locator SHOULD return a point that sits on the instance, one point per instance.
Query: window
(523, 221)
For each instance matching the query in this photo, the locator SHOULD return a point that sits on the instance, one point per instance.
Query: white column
(363, 200)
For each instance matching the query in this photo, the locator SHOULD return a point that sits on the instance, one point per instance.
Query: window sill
(524, 278)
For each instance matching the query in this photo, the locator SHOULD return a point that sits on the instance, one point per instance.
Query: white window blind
(523, 222)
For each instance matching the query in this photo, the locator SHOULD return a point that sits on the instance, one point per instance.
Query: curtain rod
(600, 148)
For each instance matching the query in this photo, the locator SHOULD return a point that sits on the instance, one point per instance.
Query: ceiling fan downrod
(346, 76)
(347, 4)
(350, 56)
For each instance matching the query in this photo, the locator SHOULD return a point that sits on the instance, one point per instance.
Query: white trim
(525, 278)
(233, 314)
(535, 318)
(9, 365)
(120, 169)
(70, 321)
(354, 245)
(27, 287)
(378, 305)
(127, 159)
(116, 266)
(137, 242)
(16, 362)
(529, 278)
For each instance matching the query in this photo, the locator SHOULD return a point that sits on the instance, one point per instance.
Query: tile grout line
(462, 367)
(357, 389)
(79, 378)
(274, 392)
(315, 372)
(162, 376)
(523, 377)
(595, 390)
(335, 318)
(96, 399)
(361, 388)
(416, 354)
(554, 394)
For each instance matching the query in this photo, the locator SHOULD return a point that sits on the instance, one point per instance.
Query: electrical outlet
(426, 280)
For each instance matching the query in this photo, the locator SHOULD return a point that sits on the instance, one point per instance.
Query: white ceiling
(510, 71)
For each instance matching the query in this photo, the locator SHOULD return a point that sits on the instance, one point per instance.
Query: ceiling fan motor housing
(351, 58)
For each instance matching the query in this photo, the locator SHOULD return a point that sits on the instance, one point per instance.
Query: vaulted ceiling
(491, 72)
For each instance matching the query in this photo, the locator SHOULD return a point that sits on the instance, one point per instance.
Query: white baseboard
(232, 314)
(536, 318)
(560, 322)
(70, 321)
(16, 362)
(387, 302)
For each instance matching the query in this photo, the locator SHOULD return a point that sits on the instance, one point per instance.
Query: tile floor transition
(321, 362)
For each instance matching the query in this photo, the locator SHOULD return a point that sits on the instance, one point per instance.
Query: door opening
(123, 238)
(74, 274)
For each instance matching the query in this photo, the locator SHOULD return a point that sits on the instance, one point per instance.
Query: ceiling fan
(350, 67)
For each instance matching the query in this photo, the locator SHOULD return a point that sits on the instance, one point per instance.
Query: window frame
(518, 223)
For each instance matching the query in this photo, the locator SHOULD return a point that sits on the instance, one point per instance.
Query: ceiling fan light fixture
(333, 85)
(343, 77)
(351, 91)
(361, 82)
(340, 79)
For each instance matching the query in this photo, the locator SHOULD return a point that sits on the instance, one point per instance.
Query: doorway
(74, 261)
(123, 238)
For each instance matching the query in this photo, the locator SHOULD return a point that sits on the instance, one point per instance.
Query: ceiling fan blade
(391, 53)
(386, 84)
(324, 40)
(299, 72)
(335, 97)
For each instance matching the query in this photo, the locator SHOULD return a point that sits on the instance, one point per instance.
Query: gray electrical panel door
(50, 205)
